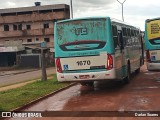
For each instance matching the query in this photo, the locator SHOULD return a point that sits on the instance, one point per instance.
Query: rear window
(153, 31)
(81, 34)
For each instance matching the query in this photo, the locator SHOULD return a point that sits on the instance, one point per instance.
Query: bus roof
(107, 17)
(148, 20)
(67, 20)
(122, 22)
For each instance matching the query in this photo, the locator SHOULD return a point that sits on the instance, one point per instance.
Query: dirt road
(25, 76)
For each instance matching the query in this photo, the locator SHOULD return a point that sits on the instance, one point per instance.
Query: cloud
(11, 4)
(84, 8)
(135, 11)
(93, 3)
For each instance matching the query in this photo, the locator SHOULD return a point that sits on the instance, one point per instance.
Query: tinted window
(46, 25)
(28, 27)
(132, 33)
(115, 36)
(77, 35)
(124, 30)
(29, 40)
(128, 32)
(20, 27)
(135, 32)
(46, 39)
(15, 27)
(6, 27)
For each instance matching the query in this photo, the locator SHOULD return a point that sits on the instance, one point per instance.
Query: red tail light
(148, 56)
(109, 62)
(58, 65)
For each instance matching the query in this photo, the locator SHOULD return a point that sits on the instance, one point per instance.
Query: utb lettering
(81, 31)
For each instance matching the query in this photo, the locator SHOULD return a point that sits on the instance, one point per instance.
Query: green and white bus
(152, 43)
(94, 49)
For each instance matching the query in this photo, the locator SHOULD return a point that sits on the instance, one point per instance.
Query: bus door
(121, 45)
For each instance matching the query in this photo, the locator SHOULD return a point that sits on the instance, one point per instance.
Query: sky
(135, 11)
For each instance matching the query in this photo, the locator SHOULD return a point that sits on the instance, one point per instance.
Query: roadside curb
(42, 98)
(19, 72)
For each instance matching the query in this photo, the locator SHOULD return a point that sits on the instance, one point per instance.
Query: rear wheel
(137, 71)
(90, 83)
(128, 78)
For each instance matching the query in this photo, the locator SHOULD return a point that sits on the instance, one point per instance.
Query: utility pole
(44, 74)
(122, 7)
(71, 7)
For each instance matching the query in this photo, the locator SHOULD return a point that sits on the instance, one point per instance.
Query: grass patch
(17, 97)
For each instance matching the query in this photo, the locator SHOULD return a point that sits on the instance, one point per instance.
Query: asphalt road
(22, 77)
(142, 94)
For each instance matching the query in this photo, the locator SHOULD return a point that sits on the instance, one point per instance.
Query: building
(23, 30)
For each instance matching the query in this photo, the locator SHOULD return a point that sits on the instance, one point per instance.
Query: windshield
(81, 34)
(153, 31)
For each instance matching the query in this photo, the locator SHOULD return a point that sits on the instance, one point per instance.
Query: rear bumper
(153, 66)
(93, 76)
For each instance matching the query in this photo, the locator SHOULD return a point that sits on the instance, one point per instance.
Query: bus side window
(132, 33)
(128, 32)
(124, 31)
(128, 41)
(120, 39)
(137, 37)
(135, 32)
(115, 36)
(132, 37)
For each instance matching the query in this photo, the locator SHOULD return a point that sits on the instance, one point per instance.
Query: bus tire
(90, 83)
(128, 78)
(137, 71)
(141, 61)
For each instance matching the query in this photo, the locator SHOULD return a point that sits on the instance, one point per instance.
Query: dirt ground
(141, 95)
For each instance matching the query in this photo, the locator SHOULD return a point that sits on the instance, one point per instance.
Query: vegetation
(17, 97)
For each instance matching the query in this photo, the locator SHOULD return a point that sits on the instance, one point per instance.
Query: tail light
(109, 62)
(148, 56)
(58, 65)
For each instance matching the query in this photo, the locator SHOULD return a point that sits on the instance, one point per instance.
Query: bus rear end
(82, 51)
(152, 41)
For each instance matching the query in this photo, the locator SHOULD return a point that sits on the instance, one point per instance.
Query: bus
(95, 49)
(152, 43)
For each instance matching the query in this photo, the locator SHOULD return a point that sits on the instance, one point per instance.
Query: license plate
(84, 76)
